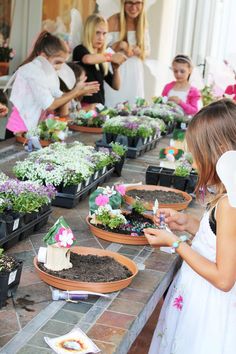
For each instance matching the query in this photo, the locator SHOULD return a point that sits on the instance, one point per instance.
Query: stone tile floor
(33, 296)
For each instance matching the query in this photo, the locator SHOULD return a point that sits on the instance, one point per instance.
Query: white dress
(131, 74)
(197, 318)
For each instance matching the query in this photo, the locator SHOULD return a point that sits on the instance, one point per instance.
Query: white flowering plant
(61, 163)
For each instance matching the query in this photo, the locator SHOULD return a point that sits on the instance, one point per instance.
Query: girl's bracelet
(176, 244)
(107, 57)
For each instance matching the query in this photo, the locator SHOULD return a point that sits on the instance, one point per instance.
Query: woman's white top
(35, 87)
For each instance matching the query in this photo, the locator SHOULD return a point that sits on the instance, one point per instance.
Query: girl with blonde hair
(92, 56)
(128, 34)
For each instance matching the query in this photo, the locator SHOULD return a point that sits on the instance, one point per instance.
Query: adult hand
(87, 88)
(159, 238)
(175, 220)
(3, 110)
(126, 48)
(175, 99)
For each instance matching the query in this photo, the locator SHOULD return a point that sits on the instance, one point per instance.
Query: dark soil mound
(162, 196)
(92, 268)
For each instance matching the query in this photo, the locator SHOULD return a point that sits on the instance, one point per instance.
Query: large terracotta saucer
(67, 284)
(149, 205)
(116, 237)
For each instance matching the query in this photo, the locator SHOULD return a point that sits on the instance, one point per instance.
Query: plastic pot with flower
(108, 221)
(181, 175)
(10, 273)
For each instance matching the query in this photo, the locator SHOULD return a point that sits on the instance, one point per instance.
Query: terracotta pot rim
(83, 129)
(21, 139)
(149, 205)
(68, 284)
(116, 237)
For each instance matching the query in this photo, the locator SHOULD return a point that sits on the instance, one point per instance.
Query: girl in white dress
(128, 33)
(199, 312)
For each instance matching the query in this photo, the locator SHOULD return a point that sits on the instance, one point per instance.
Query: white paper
(76, 336)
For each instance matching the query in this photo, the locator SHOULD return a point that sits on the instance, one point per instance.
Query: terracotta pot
(21, 139)
(80, 128)
(149, 205)
(115, 237)
(67, 284)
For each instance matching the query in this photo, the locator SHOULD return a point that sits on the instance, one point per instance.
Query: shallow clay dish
(67, 284)
(21, 139)
(80, 128)
(116, 237)
(149, 205)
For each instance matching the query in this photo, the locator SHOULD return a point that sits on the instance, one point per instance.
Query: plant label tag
(12, 277)
(79, 187)
(16, 224)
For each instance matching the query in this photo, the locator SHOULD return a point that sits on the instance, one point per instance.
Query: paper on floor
(75, 342)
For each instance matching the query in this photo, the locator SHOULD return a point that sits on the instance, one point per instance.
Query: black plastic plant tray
(156, 175)
(132, 152)
(69, 201)
(9, 240)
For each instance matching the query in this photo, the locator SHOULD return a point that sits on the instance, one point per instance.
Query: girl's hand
(175, 220)
(126, 48)
(175, 99)
(117, 59)
(159, 238)
(136, 51)
(90, 88)
(3, 110)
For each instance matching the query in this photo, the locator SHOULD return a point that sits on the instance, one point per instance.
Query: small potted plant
(10, 273)
(181, 175)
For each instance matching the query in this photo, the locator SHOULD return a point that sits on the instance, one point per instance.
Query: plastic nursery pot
(9, 283)
(80, 128)
(153, 175)
(67, 284)
(166, 177)
(180, 182)
(21, 139)
(116, 237)
(149, 205)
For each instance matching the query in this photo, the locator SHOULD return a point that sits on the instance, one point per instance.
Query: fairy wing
(226, 170)
(108, 8)
(76, 28)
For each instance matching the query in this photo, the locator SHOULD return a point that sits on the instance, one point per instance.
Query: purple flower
(131, 125)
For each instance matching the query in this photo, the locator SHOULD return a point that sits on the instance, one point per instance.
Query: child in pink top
(180, 91)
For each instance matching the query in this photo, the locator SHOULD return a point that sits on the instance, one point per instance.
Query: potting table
(114, 323)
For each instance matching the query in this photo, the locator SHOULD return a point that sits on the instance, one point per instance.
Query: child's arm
(222, 273)
(191, 106)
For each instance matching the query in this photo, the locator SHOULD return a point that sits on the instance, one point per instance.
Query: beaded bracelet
(176, 244)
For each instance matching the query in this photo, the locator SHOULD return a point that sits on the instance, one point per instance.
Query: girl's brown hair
(46, 43)
(211, 132)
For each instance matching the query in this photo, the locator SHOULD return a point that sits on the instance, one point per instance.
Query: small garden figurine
(59, 240)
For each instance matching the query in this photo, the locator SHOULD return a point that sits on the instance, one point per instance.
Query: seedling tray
(70, 200)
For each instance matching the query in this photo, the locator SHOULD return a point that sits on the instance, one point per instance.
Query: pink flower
(178, 302)
(65, 237)
(120, 188)
(101, 200)
(134, 234)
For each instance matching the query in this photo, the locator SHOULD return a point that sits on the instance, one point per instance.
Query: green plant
(178, 134)
(182, 171)
(207, 95)
(7, 263)
(108, 219)
(28, 202)
(138, 207)
(118, 149)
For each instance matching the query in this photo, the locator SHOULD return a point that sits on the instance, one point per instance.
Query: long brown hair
(140, 27)
(46, 43)
(212, 132)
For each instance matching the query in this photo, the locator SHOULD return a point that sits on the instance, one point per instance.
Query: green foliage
(179, 134)
(182, 171)
(110, 220)
(118, 149)
(207, 95)
(138, 207)
(28, 202)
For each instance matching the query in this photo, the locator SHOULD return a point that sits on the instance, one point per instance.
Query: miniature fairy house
(59, 240)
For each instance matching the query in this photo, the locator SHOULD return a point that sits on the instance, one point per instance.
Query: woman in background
(128, 34)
